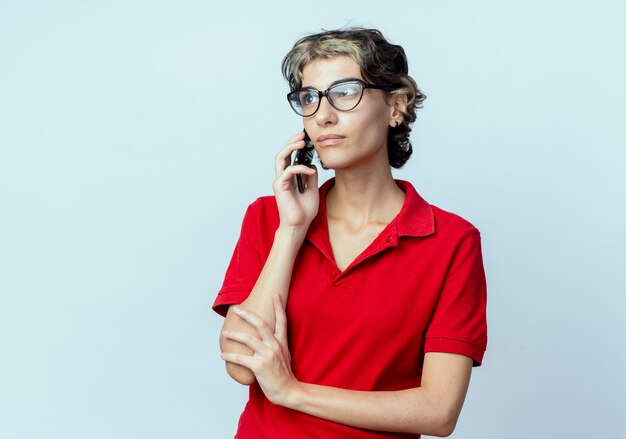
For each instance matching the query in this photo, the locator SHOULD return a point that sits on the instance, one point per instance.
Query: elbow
(445, 430)
(440, 430)
(241, 374)
(441, 423)
(445, 426)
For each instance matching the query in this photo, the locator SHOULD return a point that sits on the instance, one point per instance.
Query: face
(362, 131)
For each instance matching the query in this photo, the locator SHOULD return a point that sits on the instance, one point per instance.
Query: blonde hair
(381, 63)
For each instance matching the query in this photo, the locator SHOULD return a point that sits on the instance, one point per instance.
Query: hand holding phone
(304, 156)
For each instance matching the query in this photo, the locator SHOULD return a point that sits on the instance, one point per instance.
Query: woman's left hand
(271, 360)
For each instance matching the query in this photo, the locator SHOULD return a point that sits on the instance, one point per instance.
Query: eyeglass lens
(344, 97)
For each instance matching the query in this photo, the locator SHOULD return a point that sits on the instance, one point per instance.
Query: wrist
(291, 233)
(294, 397)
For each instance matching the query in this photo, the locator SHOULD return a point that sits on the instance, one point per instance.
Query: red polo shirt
(419, 287)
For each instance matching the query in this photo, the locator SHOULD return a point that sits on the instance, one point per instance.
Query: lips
(329, 136)
(330, 139)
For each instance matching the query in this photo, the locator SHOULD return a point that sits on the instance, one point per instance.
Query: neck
(362, 198)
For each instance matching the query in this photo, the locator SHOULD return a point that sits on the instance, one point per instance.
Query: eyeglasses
(343, 96)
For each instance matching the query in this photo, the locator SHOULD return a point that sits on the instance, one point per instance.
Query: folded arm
(431, 409)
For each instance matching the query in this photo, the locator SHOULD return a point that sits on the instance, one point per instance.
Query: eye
(347, 90)
(308, 97)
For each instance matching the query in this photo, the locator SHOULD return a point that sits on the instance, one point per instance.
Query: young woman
(356, 309)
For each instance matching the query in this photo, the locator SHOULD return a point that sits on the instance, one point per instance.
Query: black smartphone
(304, 156)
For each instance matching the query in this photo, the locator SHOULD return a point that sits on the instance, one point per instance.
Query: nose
(325, 114)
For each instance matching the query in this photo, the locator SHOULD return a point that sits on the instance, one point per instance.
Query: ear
(398, 103)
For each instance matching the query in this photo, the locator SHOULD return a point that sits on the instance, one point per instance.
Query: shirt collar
(416, 218)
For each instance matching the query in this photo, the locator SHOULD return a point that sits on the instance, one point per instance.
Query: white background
(134, 134)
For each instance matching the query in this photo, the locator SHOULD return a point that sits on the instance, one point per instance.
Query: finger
(290, 171)
(246, 339)
(297, 137)
(240, 359)
(283, 158)
(281, 320)
(285, 179)
(267, 335)
(312, 179)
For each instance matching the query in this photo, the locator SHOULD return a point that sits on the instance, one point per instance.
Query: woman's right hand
(296, 210)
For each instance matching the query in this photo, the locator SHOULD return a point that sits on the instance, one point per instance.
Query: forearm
(409, 411)
(275, 277)
(276, 274)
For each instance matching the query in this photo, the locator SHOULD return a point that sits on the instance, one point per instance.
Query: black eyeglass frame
(326, 92)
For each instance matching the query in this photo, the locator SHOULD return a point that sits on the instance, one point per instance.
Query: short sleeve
(458, 323)
(245, 264)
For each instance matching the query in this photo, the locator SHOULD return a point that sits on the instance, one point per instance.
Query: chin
(335, 164)
(336, 159)
(342, 161)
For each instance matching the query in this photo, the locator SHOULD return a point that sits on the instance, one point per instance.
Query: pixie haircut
(381, 63)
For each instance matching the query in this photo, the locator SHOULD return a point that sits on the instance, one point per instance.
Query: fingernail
(225, 333)
(237, 309)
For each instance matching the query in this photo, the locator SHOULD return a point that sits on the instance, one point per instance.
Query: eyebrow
(310, 87)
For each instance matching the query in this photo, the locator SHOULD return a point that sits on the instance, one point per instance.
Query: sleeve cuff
(455, 346)
(228, 297)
